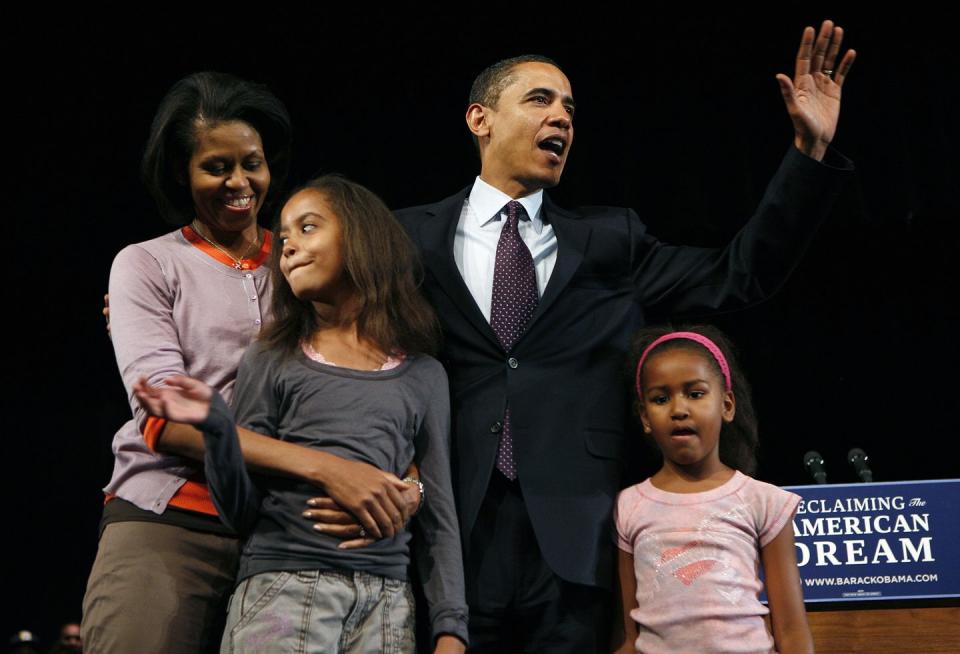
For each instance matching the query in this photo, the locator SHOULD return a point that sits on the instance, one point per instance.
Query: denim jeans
(320, 611)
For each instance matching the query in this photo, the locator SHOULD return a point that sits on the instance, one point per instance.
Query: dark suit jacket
(564, 377)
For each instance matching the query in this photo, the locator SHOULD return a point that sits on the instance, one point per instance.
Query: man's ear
(478, 120)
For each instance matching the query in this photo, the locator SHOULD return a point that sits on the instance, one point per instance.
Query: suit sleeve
(436, 548)
(233, 491)
(687, 281)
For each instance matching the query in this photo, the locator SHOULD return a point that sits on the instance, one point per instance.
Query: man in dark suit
(537, 305)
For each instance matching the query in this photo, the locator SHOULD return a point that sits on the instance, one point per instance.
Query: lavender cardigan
(174, 309)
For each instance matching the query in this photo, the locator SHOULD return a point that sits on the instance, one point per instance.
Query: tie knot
(515, 212)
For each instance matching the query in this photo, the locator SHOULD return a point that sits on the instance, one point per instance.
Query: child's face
(684, 405)
(311, 235)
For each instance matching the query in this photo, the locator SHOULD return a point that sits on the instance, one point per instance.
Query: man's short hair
(491, 81)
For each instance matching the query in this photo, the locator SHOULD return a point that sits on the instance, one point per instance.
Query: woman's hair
(738, 439)
(381, 264)
(205, 100)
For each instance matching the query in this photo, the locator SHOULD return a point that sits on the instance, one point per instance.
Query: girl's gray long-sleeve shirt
(384, 418)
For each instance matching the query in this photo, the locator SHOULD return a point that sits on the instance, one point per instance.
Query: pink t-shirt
(696, 560)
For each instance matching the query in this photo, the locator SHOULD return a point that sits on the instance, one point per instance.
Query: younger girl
(341, 369)
(693, 535)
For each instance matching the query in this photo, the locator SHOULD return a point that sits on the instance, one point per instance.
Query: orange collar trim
(251, 263)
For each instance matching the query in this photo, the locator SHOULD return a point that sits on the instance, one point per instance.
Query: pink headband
(690, 336)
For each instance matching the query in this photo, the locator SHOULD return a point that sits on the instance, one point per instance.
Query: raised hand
(181, 398)
(812, 97)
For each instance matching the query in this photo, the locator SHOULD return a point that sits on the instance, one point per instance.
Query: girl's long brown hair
(382, 265)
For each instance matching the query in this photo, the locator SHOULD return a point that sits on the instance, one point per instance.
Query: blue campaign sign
(892, 540)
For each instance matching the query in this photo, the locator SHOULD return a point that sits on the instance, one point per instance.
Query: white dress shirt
(478, 232)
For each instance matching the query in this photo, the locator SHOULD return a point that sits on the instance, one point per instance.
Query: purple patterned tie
(515, 298)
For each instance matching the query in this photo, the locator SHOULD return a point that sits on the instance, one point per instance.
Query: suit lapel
(436, 237)
(572, 237)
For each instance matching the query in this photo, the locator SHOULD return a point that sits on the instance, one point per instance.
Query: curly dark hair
(739, 439)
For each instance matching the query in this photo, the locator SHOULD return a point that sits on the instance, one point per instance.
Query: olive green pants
(158, 588)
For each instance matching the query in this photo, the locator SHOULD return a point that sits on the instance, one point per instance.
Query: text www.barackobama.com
(866, 581)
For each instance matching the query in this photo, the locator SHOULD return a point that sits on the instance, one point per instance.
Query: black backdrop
(677, 110)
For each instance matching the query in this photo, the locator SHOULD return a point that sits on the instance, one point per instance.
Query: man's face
(70, 636)
(525, 139)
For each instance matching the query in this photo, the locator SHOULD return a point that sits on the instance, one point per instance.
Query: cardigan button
(496, 427)
(512, 362)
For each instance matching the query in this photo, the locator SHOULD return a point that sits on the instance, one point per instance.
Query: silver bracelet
(414, 480)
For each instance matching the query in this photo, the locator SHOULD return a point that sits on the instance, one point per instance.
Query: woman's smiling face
(228, 175)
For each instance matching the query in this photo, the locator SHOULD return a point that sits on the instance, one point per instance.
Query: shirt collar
(486, 202)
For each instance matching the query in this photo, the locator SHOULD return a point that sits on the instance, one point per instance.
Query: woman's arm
(374, 499)
(191, 401)
(625, 632)
(333, 520)
(146, 342)
(791, 633)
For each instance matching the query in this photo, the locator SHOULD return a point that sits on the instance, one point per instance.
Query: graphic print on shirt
(661, 564)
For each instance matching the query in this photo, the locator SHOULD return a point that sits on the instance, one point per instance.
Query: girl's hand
(447, 644)
(106, 311)
(180, 399)
(373, 496)
(332, 519)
